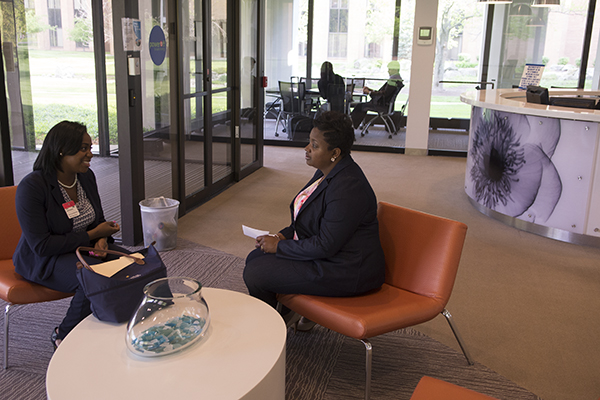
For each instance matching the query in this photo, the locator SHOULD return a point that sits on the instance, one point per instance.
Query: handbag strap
(83, 264)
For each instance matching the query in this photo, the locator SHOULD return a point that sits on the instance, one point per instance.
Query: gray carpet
(321, 364)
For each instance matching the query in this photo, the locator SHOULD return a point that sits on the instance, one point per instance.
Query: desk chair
(435, 389)
(422, 253)
(384, 112)
(349, 96)
(336, 97)
(13, 288)
(289, 105)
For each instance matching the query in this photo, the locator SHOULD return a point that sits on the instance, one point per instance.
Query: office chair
(336, 97)
(293, 102)
(385, 112)
(14, 289)
(422, 253)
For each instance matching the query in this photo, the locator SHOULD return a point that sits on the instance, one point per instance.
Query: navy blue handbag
(115, 299)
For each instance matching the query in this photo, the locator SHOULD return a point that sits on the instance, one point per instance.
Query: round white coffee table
(242, 356)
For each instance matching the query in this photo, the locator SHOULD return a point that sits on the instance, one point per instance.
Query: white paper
(132, 38)
(532, 74)
(253, 233)
(109, 268)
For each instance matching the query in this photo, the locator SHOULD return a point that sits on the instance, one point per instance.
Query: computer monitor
(538, 95)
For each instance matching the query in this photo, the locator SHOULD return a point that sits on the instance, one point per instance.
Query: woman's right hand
(105, 229)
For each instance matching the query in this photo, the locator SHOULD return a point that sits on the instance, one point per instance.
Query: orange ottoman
(433, 389)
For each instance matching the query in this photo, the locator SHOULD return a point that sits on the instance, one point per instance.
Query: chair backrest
(422, 251)
(11, 230)
(359, 83)
(292, 96)
(336, 96)
(392, 100)
(311, 83)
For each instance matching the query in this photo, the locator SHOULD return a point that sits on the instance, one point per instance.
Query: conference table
(242, 356)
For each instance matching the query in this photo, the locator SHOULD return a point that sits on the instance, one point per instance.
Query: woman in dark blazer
(332, 246)
(59, 209)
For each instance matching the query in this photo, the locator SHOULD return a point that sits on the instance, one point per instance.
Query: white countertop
(514, 100)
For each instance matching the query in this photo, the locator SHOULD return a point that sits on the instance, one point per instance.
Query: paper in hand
(253, 233)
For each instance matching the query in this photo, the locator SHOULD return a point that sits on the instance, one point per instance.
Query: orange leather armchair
(422, 253)
(434, 389)
(13, 288)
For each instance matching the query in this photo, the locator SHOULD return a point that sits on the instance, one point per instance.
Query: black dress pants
(266, 275)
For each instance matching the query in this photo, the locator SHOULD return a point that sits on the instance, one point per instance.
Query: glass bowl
(171, 317)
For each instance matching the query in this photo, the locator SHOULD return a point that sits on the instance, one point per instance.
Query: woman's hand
(268, 243)
(104, 230)
(100, 245)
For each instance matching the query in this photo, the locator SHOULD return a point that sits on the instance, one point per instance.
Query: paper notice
(109, 268)
(253, 233)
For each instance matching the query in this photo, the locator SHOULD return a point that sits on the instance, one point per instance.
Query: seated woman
(331, 88)
(59, 209)
(332, 246)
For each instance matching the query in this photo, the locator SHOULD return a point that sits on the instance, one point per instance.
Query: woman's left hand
(267, 243)
(100, 245)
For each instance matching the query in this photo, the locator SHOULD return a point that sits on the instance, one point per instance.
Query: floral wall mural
(532, 168)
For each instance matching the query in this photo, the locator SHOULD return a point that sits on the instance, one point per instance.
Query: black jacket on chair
(337, 228)
(47, 231)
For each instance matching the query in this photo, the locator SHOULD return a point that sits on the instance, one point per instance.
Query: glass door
(188, 95)
(206, 99)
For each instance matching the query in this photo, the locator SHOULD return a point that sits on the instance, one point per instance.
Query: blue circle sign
(157, 45)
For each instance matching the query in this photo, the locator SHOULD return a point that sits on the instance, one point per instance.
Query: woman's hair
(64, 139)
(326, 69)
(337, 130)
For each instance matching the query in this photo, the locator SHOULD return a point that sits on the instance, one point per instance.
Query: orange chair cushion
(435, 389)
(383, 310)
(16, 290)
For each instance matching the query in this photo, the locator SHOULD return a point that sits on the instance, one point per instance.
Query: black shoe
(54, 338)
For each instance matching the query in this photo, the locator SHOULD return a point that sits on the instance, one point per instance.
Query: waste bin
(159, 222)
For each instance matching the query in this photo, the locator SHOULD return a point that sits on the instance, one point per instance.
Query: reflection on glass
(458, 46)
(194, 145)
(156, 105)
(219, 44)
(221, 137)
(248, 113)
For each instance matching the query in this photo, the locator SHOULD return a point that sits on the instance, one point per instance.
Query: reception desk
(535, 167)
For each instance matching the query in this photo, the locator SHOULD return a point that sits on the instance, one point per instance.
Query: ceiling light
(520, 9)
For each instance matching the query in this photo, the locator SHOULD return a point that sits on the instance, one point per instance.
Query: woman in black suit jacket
(332, 246)
(59, 209)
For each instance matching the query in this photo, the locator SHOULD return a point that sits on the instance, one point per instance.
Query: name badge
(71, 209)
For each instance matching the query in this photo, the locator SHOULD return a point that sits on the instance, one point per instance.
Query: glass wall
(553, 36)
(51, 76)
(356, 36)
(459, 38)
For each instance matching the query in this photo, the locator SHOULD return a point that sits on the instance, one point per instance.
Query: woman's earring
(332, 159)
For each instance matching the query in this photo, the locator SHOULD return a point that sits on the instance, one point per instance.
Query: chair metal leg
(368, 348)
(450, 320)
(8, 306)
(277, 124)
(365, 128)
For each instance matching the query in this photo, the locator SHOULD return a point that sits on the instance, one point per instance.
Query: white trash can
(159, 222)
